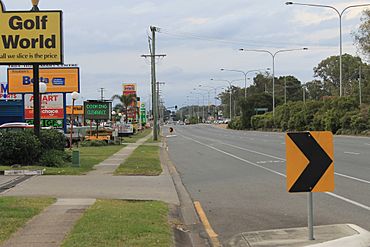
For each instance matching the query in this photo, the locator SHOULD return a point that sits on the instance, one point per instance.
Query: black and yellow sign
(310, 161)
(30, 37)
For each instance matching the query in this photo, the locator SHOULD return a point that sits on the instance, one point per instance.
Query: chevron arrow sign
(310, 161)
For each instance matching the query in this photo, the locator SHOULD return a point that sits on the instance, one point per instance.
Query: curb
(362, 239)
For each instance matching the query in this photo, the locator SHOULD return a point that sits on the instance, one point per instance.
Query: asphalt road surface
(239, 179)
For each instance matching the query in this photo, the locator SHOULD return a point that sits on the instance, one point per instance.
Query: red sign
(51, 106)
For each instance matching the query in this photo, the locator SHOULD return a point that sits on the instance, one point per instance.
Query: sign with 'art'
(30, 37)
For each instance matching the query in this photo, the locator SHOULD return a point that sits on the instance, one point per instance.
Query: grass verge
(136, 137)
(89, 156)
(143, 161)
(122, 223)
(16, 211)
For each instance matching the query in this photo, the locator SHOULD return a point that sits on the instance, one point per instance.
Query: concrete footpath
(77, 193)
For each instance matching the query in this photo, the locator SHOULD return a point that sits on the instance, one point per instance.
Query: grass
(150, 140)
(89, 156)
(136, 137)
(122, 223)
(16, 211)
(143, 161)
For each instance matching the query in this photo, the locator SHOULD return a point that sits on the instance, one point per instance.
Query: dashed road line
(353, 153)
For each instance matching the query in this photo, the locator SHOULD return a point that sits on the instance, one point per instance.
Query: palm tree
(125, 102)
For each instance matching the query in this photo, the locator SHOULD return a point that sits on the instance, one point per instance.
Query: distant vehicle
(16, 126)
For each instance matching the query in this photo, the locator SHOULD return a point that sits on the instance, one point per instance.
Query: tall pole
(273, 55)
(285, 90)
(359, 85)
(36, 88)
(71, 129)
(154, 93)
(340, 15)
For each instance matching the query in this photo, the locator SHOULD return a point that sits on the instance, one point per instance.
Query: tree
(125, 102)
(328, 71)
(316, 90)
(362, 36)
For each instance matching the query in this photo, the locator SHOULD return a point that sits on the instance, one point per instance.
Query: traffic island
(325, 236)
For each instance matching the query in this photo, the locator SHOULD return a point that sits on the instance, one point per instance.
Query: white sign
(4, 95)
(51, 106)
(125, 129)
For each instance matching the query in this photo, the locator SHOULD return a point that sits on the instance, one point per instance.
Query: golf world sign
(30, 37)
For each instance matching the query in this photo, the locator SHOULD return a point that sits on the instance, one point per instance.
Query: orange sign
(129, 88)
(310, 161)
(58, 80)
(78, 110)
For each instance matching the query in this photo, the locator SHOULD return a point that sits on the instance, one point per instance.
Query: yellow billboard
(30, 37)
(57, 80)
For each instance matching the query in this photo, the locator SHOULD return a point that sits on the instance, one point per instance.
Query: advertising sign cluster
(30, 37)
(97, 110)
(51, 106)
(5, 95)
(58, 80)
(130, 89)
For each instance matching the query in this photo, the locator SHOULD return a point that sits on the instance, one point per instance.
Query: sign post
(310, 166)
(31, 38)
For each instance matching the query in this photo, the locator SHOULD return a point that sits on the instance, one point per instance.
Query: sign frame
(61, 51)
(10, 90)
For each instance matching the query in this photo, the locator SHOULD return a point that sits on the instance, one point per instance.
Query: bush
(53, 158)
(93, 143)
(236, 124)
(52, 139)
(19, 147)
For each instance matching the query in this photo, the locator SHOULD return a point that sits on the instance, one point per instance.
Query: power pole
(153, 84)
(101, 90)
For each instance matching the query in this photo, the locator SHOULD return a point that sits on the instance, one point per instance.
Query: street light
(340, 14)
(75, 96)
(245, 77)
(273, 68)
(203, 102)
(230, 84)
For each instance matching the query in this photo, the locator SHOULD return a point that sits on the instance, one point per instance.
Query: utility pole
(101, 93)
(153, 83)
(158, 98)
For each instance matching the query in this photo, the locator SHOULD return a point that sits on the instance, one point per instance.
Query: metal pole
(230, 103)
(154, 93)
(245, 85)
(273, 85)
(310, 216)
(304, 95)
(285, 90)
(36, 101)
(340, 56)
(359, 85)
(71, 129)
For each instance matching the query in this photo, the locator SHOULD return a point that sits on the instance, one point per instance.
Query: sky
(107, 38)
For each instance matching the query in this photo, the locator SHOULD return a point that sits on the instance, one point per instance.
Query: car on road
(16, 126)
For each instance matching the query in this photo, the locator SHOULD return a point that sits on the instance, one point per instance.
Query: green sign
(143, 114)
(97, 110)
(56, 123)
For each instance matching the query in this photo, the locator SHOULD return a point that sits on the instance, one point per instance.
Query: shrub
(19, 147)
(94, 143)
(236, 123)
(53, 158)
(52, 139)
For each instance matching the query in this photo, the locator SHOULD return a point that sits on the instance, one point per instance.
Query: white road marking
(352, 153)
(278, 173)
(274, 157)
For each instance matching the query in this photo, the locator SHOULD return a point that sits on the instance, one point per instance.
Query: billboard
(97, 110)
(129, 88)
(51, 106)
(4, 95)
(56, 123)
(58, 80)
(77, 110)
(30, 37)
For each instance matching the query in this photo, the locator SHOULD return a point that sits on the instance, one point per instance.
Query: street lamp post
(229, 82)
(245, 77)
(273, 55)
(340, 15)
(203, 102)
(75, 96)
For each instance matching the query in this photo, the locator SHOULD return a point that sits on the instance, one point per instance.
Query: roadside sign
(55, 123)
(97, 110)
(4, 95)
(30, 37)
(310, 161)
(51, 106)
(58, 79)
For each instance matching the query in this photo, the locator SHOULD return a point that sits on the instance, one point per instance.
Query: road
(239, 179)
